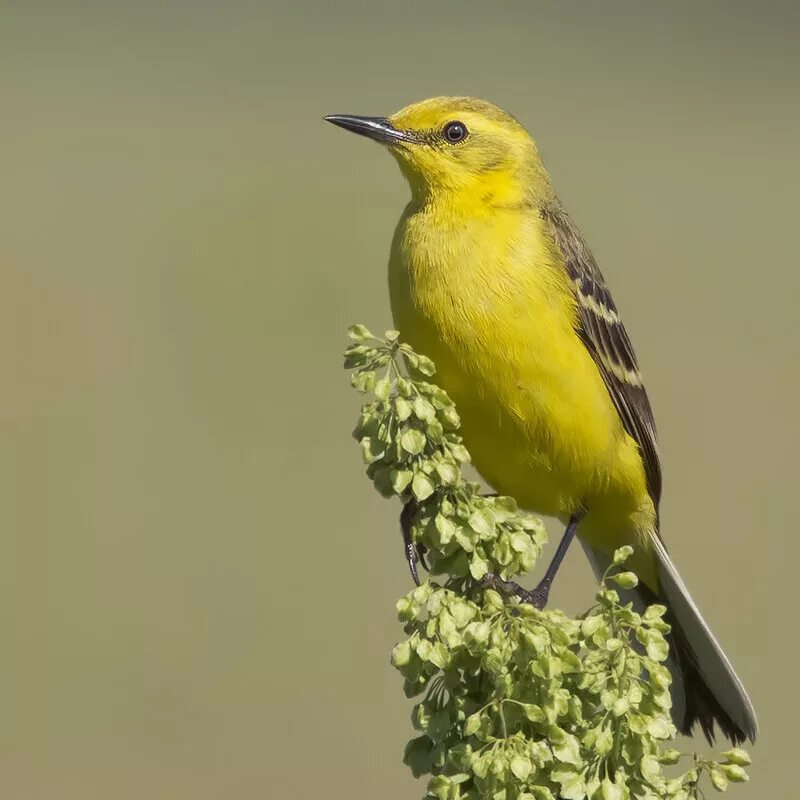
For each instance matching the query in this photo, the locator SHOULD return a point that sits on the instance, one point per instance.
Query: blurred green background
(197, 584)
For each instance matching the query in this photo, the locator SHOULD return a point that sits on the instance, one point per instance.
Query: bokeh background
(197, 584)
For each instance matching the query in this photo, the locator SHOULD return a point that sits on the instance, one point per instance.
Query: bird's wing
(607, 340)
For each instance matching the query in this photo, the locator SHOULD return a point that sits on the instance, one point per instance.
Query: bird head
(458, 146)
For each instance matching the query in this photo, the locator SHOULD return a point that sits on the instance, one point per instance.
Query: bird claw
(537, 597)
(415, 551)
(412, 557)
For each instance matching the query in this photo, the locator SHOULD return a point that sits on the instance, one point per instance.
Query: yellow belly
(536, 415)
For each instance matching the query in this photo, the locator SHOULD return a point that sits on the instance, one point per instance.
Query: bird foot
(537, 597)
(415, 551)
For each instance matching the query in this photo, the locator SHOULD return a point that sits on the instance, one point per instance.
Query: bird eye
(455, 132)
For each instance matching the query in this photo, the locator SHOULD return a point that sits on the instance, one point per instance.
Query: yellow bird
(489, 276)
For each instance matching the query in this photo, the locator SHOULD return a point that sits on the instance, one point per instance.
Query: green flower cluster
(515, 703)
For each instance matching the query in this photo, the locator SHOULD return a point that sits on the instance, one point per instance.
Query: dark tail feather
(697, 704)
(705, 687)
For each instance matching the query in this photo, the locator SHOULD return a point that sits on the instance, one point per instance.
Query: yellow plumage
(489, 277)
(480, 287)
(485, 296)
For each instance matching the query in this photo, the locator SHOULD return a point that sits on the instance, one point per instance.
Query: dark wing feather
(607, 340)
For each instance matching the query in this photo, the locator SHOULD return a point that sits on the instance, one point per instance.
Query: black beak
(377, 128)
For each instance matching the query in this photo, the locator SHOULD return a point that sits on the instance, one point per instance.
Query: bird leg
(538, 597)
(541, 593)
(415, 552)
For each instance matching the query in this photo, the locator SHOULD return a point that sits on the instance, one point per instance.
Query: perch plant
(512, 702)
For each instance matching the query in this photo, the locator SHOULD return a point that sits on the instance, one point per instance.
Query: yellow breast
(487, 298)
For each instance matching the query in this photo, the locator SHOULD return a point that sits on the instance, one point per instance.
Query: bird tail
(705, 687)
